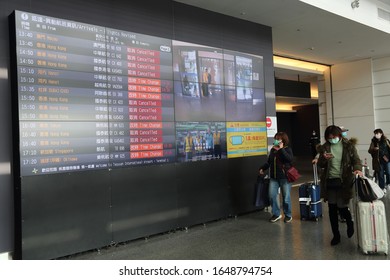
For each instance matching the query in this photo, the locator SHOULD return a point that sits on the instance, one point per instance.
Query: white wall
(322, 105)
(353, 102)
(381, 92)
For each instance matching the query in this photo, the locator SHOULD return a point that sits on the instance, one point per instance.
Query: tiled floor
(248, 236)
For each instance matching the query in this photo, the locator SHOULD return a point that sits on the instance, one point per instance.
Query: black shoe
(350, 229)
(287, 219)
(275, 218)
(335, 240)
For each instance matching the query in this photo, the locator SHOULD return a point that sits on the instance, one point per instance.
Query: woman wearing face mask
(279, 159)
(339, 161)
(380, 153)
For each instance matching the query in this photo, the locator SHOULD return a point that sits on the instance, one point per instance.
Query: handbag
(261, 192)
(375, 187)
(368, 190)
(292, 174)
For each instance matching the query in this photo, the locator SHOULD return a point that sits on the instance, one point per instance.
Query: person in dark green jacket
(339, 163)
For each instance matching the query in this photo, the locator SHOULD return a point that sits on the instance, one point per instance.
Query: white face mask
(378, 136)
(334, 140)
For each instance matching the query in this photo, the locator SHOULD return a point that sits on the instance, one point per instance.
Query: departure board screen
(91, 97)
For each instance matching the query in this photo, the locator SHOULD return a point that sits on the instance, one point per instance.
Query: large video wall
(92, 97)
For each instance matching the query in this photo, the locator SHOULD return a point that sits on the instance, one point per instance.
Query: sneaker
(275, 218)
(287, 219)
(384, 190)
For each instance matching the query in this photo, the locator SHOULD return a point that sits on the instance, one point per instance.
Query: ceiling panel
(304, 32)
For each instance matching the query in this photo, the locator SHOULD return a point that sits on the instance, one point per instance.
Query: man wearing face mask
(380, 153)
(339, 161)
(280, 158)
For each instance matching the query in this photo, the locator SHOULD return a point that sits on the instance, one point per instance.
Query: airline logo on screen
(165, 48)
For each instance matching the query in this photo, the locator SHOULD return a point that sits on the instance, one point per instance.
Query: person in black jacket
(279, 159)
(380, 152)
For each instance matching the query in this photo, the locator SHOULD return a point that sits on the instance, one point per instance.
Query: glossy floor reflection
(248, 236)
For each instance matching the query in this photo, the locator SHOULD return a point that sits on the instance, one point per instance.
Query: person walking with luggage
(339, 161)
(380, 153)
(279, 159)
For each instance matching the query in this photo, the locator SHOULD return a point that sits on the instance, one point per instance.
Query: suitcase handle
(315, 172)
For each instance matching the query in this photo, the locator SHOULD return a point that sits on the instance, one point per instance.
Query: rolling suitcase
(371, 225)
(310, 204)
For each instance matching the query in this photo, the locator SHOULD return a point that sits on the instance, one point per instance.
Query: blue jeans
(285, 186)
(384, 169)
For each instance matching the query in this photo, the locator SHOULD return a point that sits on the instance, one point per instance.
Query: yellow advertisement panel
(246, 139)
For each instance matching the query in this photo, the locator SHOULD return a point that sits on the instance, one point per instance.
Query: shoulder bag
(368, 190)
(292, 174)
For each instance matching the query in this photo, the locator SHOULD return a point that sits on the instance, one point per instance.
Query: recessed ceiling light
(243, 13)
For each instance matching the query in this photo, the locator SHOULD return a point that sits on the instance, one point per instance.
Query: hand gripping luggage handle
(356, 188)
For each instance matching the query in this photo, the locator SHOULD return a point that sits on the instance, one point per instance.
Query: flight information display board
(91, 97)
